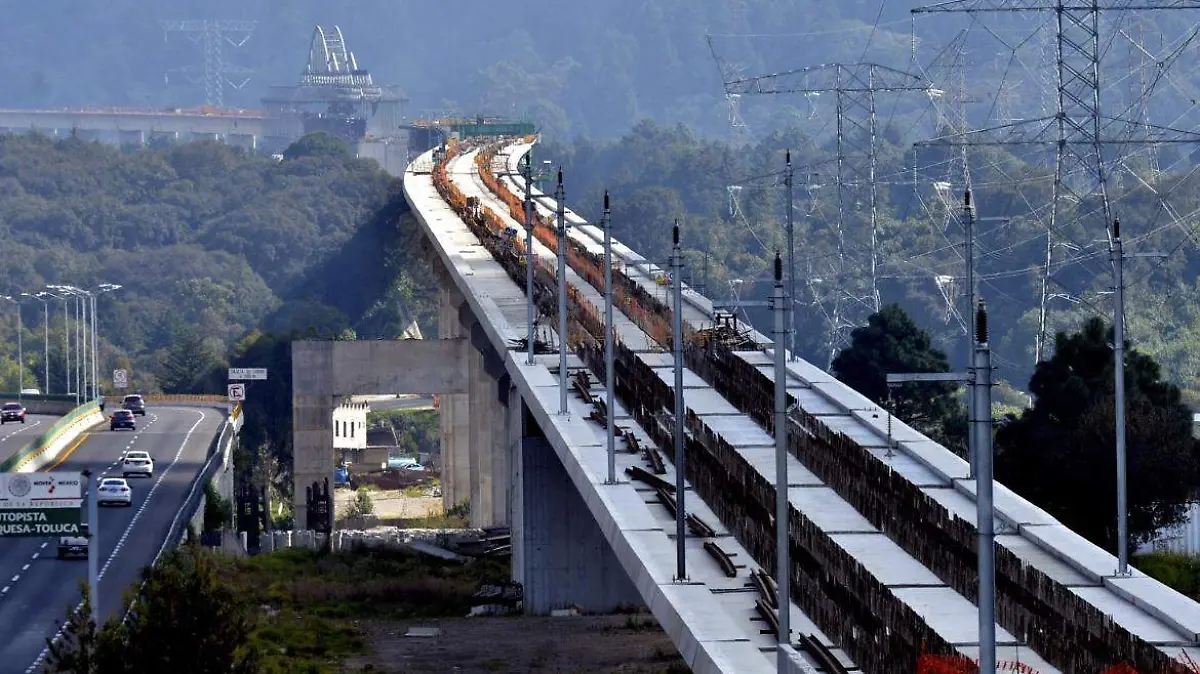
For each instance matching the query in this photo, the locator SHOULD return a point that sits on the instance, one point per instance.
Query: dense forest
(208, 244)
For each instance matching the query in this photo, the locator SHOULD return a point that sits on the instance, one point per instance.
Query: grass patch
(1178, 572)
(310, 603)
(431, 522)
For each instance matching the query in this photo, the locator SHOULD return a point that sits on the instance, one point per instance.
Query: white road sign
(236, 373)
(237, 392)
(40, 490)
(120, 378)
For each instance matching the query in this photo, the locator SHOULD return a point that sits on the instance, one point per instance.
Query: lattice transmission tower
(216, 71)
(1078, 128)
(855, 87)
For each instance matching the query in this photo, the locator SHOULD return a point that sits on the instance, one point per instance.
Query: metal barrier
(184, 398)
(216, 459)
(33, 450)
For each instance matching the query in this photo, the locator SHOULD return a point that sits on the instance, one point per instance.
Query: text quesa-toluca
(33, 523)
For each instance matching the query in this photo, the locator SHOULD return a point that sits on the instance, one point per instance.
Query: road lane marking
(150, 495)
(67, 454)
(58, 635)
(24, 427)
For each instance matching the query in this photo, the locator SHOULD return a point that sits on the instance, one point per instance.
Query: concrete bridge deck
(709, 617)
(1144, 606)
(713, 637)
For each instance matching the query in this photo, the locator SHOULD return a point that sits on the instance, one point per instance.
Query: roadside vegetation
(1061, 452)
(288, 611)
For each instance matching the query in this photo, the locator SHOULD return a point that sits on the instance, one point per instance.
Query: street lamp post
(66, 339)
(87, 335)
(100, 289)
(80, 350)
(20, 353)
(41, 297)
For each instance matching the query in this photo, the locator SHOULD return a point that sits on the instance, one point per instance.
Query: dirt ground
(392, 503)
(522, 645)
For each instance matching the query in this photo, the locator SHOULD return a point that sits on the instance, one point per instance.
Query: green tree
(892, 342)
(75, 650)
(1061, 453)
(319, 144)
(187, 620)
(362, 505)
(188, 362)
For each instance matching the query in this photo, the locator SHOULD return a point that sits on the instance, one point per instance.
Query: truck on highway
(74, 546)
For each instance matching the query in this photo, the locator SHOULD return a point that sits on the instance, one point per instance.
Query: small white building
(350, 424)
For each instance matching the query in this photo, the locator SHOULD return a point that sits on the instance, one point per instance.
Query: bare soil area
(393, 503)
(628, 644)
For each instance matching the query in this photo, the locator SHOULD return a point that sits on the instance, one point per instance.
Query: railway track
(879, 630)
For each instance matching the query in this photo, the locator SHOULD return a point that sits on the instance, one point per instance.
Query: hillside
(207, 244)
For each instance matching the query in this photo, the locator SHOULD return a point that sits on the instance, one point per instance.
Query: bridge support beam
(246, 141)
(135, 138)
(322, 370)
(560, 555)
(488, 391)
(454, 412)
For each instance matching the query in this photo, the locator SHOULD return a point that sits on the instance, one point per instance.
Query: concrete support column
(454, 411)
(135, 138)
(312, 446)
(518, 420)
(246, 141)
(489, 444)
(565, 560)
(165, 136)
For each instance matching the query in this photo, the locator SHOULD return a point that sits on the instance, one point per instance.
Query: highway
(36, 588)
(14, 435)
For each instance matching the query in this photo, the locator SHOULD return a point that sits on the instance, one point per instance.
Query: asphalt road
(37, 588)
(13, 435)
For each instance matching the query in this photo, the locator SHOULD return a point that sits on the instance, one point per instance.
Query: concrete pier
(455, 413)
(565, 560)
(322, 370)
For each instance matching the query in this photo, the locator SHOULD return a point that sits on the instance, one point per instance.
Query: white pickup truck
(74, 546)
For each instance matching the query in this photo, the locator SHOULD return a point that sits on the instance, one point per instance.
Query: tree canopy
(892, 343)
(208, 243)
(185, 619)
(1061, 453)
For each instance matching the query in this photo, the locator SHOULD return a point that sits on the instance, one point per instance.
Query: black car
(12, 412)
(135, 404)
(121, 419)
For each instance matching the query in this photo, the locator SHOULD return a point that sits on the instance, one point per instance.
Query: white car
(114, 491)
(137, 463)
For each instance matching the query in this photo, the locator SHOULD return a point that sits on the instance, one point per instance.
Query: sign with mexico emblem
(40, 504)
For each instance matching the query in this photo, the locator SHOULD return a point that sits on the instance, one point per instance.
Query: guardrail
(184, 398)
(195, 499)
(46, 446)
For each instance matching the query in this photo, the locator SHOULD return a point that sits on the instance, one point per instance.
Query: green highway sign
(40, 522)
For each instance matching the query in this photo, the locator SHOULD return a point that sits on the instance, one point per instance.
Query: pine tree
(74, 651)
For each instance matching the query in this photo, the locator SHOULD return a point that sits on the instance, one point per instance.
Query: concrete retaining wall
(47, 447)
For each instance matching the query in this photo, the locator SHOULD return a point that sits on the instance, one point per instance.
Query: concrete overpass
(128, 126)
(881, 538)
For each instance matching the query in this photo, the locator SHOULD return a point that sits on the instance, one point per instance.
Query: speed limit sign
(120, 378)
